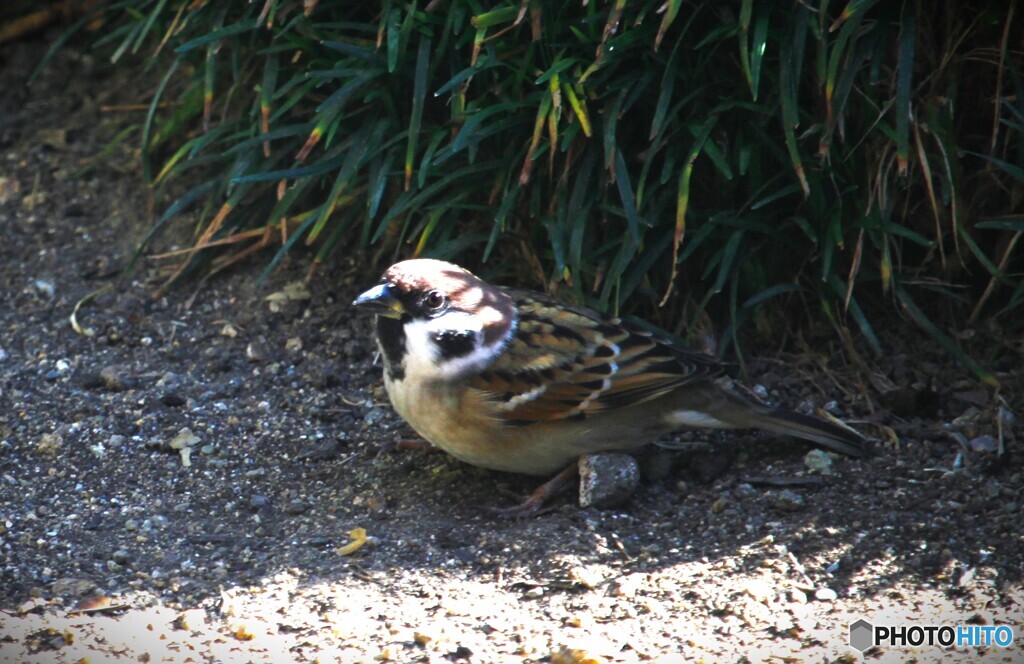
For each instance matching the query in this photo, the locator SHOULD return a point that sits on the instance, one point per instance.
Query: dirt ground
(182, 484)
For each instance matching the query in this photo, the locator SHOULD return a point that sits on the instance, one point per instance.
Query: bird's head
(438, 320)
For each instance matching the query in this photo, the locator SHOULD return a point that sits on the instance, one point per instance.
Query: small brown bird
(517, 381)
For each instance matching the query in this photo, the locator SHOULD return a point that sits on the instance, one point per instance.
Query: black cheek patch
(391, 334)
(455, 343)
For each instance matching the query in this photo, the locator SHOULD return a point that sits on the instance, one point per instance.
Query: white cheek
(423, 357)
(420, 352)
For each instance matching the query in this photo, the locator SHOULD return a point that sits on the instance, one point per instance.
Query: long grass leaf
(147, 125)
(625, 186)
(904, 71)
(418, 93)
(671, 11)
(216, 35)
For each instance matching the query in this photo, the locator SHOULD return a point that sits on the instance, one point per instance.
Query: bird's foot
(406, 445)
(534, 503)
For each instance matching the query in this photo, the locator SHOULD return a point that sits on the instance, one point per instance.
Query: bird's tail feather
(831, 435)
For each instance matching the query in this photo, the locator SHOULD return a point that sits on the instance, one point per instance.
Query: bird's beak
(380, 300)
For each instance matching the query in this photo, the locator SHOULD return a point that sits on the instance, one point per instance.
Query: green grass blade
(418, 93)
(217, 35)
(147, 125)
(625, 186)
(904, 71)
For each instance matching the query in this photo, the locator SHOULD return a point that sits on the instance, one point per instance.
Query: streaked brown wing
(570, 362)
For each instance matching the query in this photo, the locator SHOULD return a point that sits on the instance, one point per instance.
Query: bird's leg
(535, 501)
(408, 444)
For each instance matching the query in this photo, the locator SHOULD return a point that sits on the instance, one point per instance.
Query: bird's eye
(434, 299)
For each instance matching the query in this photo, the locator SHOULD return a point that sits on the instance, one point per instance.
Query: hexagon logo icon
(861, 635)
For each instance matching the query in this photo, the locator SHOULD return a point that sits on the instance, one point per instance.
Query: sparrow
(518, 381)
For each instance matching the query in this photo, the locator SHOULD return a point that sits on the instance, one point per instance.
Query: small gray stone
(257, 351)
(157, 521)
(984, 444)
(375, 415)
(607, 480)
(72, 587)
(788, 500)
(819, 461)
(45, 287)
(296, 507)
(259, 502)
(115, 380)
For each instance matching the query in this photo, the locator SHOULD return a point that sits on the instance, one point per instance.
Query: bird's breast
(460, 421)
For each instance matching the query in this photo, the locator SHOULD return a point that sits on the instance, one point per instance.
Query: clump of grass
(705, 157)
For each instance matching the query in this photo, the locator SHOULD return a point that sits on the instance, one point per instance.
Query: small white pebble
(825, 595)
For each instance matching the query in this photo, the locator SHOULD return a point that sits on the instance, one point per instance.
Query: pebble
(50, 444)
(114, 380)
(156, 522)
(259, 502)
(45, 287)
(826, 595)
(296, 507)
(91, 380)
(173, 399)
(257, 351)
(319, 541)
(72, 587)
(819, 461)
(423, 637)
(566, 655)
(589, 576)
(788, 500)
(184, 439)
(607, 480)
(375, 415)
(985, 444)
